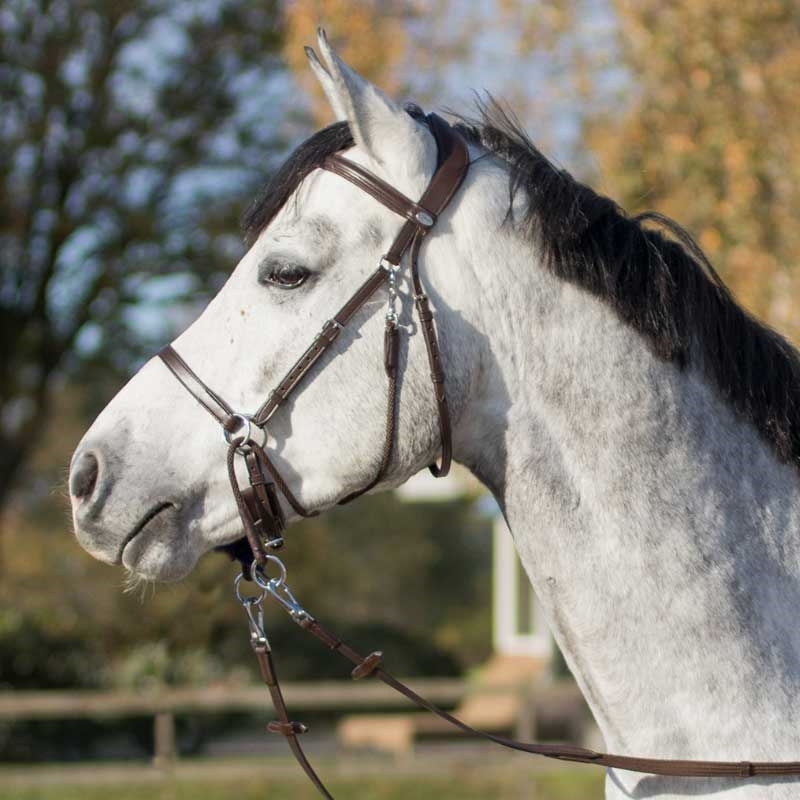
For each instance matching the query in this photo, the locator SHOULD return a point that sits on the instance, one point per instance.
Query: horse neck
(659, 531)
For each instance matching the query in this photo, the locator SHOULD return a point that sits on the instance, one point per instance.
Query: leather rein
(259, 506)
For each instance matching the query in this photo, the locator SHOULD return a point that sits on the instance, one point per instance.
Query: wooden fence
(164, 704)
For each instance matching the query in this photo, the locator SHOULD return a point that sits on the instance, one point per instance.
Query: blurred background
(133, 133)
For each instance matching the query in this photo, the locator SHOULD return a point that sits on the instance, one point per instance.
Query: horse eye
(285, 276)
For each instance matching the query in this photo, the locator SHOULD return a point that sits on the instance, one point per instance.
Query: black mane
(662, 286)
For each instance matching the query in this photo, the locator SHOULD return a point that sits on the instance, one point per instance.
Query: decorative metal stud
(424, 218)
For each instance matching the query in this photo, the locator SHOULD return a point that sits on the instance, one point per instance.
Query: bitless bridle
(259, 506)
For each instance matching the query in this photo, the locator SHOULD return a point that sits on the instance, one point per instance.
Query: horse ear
(328, 86)
(389, 135)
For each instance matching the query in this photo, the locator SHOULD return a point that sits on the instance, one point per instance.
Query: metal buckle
(328, 326)
(392, 270)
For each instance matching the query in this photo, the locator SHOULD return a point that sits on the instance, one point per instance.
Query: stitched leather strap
(454, 163)
(383, 192)
(372, 666)
(285, 726)
(428, 328)
(322, 342)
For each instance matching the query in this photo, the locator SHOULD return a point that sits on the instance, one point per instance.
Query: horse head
(148, 481)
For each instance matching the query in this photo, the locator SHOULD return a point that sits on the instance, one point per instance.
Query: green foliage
(412, 579)
(128, 148)
(151, 665)
(31, 657)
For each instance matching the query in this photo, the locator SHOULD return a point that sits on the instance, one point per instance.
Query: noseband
(259, 507)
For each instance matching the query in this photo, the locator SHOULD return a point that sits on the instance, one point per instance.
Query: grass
(246, 781)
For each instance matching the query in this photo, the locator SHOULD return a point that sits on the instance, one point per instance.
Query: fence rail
(164, 704)
(317, 696)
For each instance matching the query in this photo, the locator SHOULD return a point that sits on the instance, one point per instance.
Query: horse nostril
(83, 475)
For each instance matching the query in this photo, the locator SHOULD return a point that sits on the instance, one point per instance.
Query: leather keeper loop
(286, 728)
(330, 331)
(368, 666)
(391, 341)
(254, 473)
(424, 309)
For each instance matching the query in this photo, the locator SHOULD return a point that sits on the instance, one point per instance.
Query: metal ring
(260, 577)
(249, 599)
(244, 419)
(248, 423)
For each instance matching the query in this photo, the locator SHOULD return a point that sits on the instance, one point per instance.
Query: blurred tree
(707, 129)
(129, 133)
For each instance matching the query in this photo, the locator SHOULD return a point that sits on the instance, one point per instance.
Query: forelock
(285, 181)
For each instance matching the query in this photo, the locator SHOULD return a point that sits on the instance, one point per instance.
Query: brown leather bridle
(259, 507)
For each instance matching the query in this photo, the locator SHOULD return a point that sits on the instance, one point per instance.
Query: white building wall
(514, 601)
